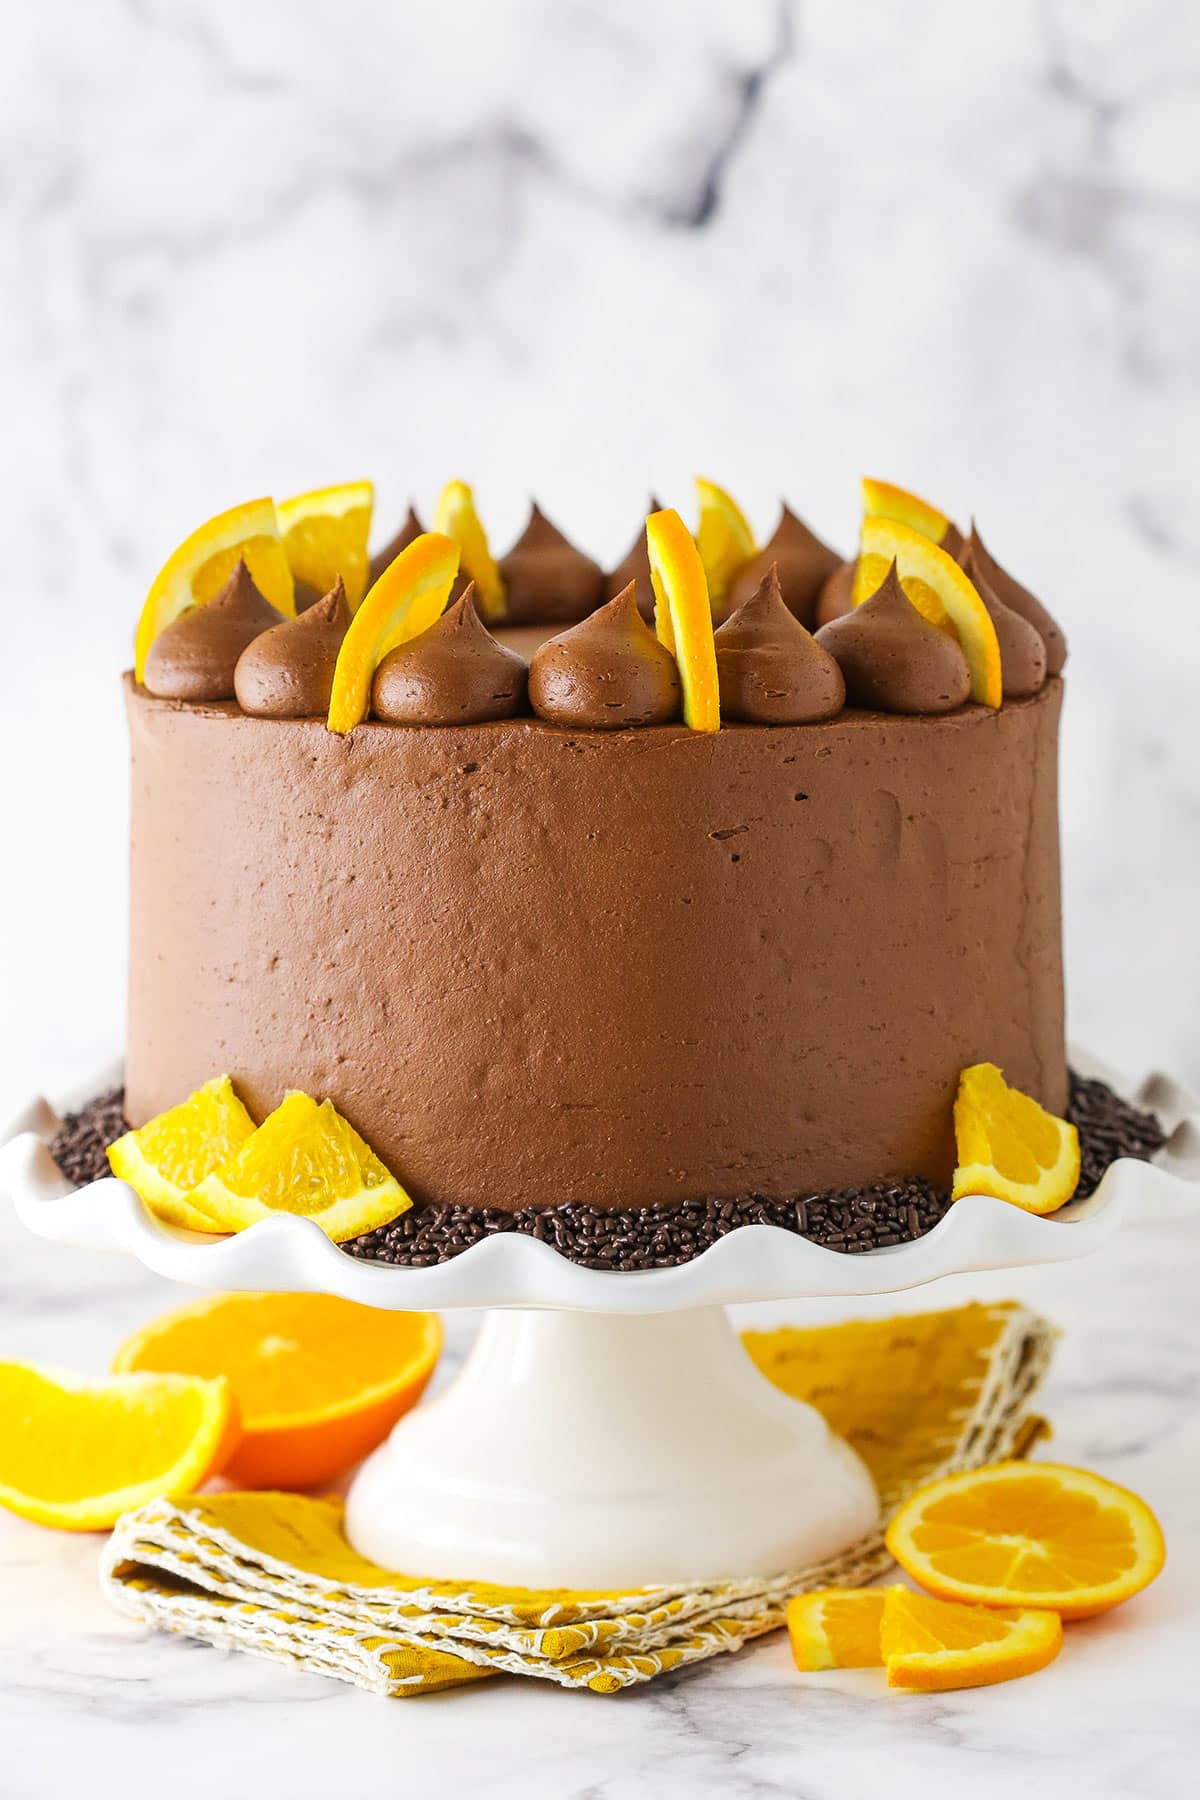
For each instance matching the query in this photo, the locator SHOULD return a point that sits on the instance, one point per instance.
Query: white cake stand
(607, 1430)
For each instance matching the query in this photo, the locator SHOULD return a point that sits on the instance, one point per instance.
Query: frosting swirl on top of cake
(384, 558)
(893, 660)
(453, 674)
(635, 566)
(545, 577)
(804, 564)
(771, 670)
(607, 672)
(995, 583)
(194, 658)
(287, 672)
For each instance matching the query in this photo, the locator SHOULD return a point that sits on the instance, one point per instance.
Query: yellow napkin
(917, 1397)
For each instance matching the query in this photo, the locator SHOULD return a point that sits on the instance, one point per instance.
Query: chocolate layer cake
(546, 947)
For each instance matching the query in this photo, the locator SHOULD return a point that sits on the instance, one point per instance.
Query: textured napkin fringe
(917, 1396)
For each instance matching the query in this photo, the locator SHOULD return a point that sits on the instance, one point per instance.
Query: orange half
(410, 594)
(941, 593)
(203, 563)
(683, 616)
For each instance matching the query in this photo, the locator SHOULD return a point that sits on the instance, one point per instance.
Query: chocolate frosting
(287, 672)
(771, 671)
(607, 672)
(635, 567)
(995, 583)
(194, 658)
(382, 559)
(893, 659)
(1022, 652)
(836, 598)
(546, 578)
(952, 541)
(804, 564)
(453, 674)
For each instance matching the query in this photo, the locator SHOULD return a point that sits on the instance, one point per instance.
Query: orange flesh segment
(683, 616)
(931, 1645)
(836, 1628)
(408, 597)
(918, 561)
(1009, 1146)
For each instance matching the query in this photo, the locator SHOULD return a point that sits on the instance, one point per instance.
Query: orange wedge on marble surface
(319, 1381)
(683, 616)
(324, 535)
(1029, 1535)
(882, 500)
(930, 1646)
(836, 1628)
(203, 563)
(939, 590)
(723, 537)
(76, 1453)
(410, 594)
(307, 1161)
(456, 517)
(1009, 1146)
(165, 1159)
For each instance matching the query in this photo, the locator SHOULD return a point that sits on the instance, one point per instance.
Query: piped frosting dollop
(287, 672)
(892, 659)
(607, 672)
(836, 598)
(386, 556)
(635, 566)
(804, 564)
(995, 583)
(771, 670)
(546, 579)
(195, 657)
(453, 674)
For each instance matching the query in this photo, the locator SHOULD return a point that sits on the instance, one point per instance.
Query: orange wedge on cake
(939, 590)
(723, 537)
(883, 500)
(1009, 1146)
(410, 594)
(76, 1453)
(683, 616)
(203, 563)
(324, 535)
(165, 1159)
(455, 516)
(319, 1381)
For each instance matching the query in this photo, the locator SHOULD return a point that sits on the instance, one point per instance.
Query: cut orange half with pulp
(939, 590)
(325, 535)
(683, 616)
(203, 563)
(455, 516)
(882, 500)
(723, 537)
(410, 594)
(1029, 1534)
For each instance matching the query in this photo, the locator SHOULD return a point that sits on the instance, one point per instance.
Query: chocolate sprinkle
(648, 1237)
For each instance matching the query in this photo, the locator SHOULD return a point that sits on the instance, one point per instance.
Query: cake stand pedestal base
(589, 1450)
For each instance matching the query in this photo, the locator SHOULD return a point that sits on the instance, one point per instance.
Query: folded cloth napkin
(917, 1396)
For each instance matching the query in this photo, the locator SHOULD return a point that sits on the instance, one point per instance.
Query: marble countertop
(91, 1703)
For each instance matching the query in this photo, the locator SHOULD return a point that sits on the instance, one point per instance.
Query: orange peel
(325, 534)
(456, 517)
(199, 568)
(683, 616)
(941, 593)
(409, 595)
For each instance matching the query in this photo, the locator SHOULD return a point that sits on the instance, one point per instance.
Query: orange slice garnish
(941, 593)
(723, 537)
(1011, 1147)
(881, 500)
(325, 535)
(410, 594)
(203, 563)
(76, 1453)
(836, 1628)
(1029, 1534)
(930, 1646)
(683, 616)
(455, 516)
(319, 1381)
(164, 1160)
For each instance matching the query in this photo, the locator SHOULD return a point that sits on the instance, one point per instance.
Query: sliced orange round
(304, 1159)
(836, 1628)
(881, 500)
(410, 594)
(939, 590)
(723, 537)
(76, 1452)
(1009, 1146)
(456, 517)
(932, 1645)
(319, 1381)
(203, 564)
(325, 535)
(163, 1160)
(683, 616)
(1029, 1534)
